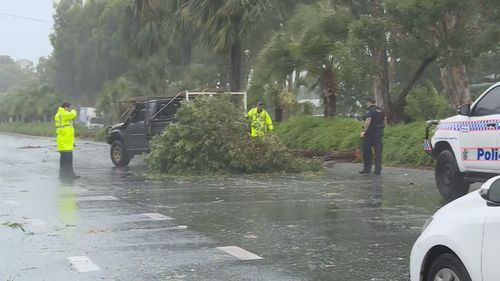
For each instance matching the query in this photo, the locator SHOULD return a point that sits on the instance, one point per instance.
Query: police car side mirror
(490, 191)
(464, 110)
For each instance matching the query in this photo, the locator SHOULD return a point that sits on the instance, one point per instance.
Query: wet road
(116, 224)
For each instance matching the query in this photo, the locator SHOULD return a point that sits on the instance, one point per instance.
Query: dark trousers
(66, 166)
(373, 141)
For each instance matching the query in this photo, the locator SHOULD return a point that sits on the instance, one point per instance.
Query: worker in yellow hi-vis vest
(63, 121)
(260, 121)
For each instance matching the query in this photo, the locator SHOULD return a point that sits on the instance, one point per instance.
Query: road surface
(119, 224)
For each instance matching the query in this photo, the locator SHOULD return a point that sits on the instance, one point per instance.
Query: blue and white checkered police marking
(427, 145)
(483, 125)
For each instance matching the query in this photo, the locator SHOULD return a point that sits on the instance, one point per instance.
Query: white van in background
(88, 117)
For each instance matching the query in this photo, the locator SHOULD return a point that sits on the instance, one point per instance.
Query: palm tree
(224, 24)
(310, 42)
(142, 8)
(160, 25)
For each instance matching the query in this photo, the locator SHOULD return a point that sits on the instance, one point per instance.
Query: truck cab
(466, 146)
(142, 120)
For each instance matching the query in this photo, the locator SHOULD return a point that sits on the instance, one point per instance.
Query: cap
(260, 103)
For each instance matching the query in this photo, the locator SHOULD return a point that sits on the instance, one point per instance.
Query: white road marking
(37, 223)
(11, 203)
(157, 217)
(81, 190)
(83, 264)
(97, 198)
(179, 227)
(240, 253)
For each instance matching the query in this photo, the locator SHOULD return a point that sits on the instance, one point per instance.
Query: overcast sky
(24, 38)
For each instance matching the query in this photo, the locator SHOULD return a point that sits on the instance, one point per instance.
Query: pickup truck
(149, 116)
(142, 120)
(466, 146)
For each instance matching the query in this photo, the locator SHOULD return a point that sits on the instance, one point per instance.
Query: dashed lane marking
(157, 217)
(83, 264)
(177, 227)
(11, 203)
(97, 198)
(240, 253)
(37, 222)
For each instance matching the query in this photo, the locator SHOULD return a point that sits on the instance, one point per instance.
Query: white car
(461, 241)
(95, 123)
(467, 146)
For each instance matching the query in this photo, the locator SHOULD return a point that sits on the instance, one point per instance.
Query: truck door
(479, 136)
(135, 137)
(165, 116)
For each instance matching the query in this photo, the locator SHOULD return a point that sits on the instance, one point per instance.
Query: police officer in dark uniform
(373, 131)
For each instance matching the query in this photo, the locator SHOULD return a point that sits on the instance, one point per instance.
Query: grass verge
(402, 143)
(46, 129)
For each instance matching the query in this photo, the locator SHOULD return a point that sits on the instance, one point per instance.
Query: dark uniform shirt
(378, 119)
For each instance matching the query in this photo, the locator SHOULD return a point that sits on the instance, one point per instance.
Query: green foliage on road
(211, 137)
(402, 143)
(46, 129)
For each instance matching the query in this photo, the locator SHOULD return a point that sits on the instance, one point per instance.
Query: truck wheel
(449, 180)
(119, 155)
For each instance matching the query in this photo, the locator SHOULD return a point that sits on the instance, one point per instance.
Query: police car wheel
(447, 267)
(449, 180)
(119, 155)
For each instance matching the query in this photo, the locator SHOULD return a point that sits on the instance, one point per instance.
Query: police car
(467, 146)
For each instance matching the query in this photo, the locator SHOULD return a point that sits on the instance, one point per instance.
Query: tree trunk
(461, 83)
(278, 113)
(449, 86)
(186, 53)
(381, 81)
(236, 56)
(386, 83)
(223, 78)
(456, 84)
(290, 83)
(396, 111)
(377, 90)
(328, 86)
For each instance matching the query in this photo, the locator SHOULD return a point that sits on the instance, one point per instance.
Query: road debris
(14, 225)
(30, 147)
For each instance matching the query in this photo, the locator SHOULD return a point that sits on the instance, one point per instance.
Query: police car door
(479, 134)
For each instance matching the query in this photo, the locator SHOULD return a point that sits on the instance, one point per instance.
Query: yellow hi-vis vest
(260, 123)
(64, 129)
